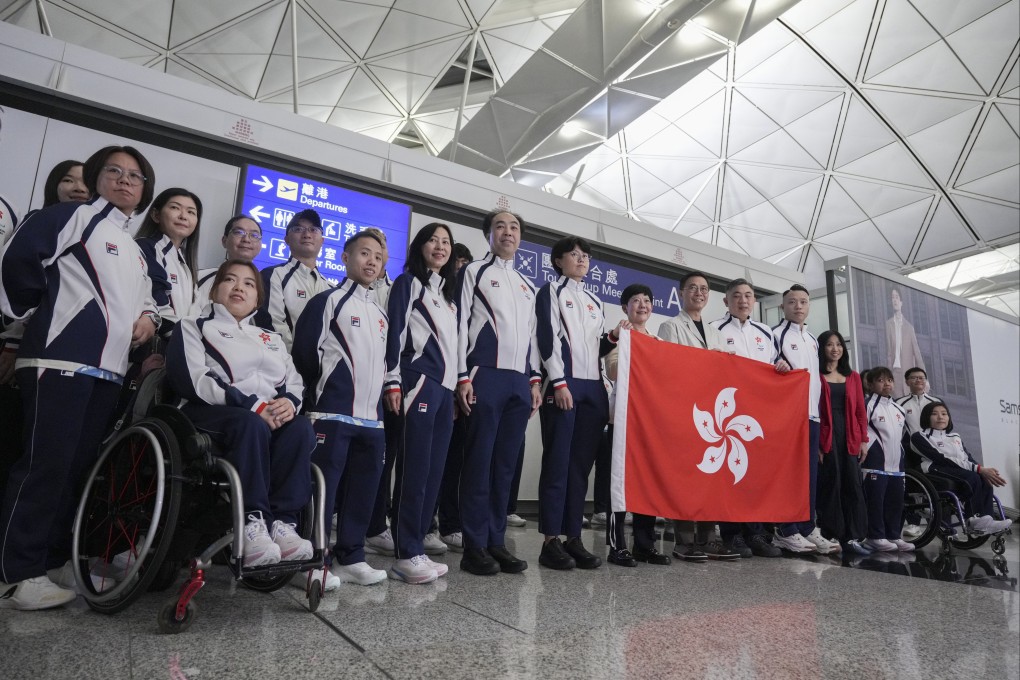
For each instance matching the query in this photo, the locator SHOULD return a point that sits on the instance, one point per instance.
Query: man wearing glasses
(690, 329)
(242, 239)
(289, 286)
(917, 383)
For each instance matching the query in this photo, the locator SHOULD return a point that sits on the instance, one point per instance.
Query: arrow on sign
(265, 183)
(256, 213)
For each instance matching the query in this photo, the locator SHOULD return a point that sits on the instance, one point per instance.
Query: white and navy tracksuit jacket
(173, 287)
(912, 406)
(340, 349)
(570, 338)
(77, 271)
(749, 339)
(421, 358)
(496, 319)
(289, 287)
(222, 362)
(883, 469)
(942, 449)
(203, 288)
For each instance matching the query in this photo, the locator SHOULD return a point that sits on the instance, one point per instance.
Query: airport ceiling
(793, 132)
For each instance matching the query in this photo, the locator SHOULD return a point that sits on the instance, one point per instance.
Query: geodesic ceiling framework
(884, 129)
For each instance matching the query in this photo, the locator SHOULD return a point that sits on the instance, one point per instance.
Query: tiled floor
(758, 618)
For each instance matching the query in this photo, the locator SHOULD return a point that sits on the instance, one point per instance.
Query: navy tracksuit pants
(66, 416)
(382, 507)
(884, 496)
(448, 505)
(806, 527)
(274, 465)
(570, 441)
(428, 424)
(981, 494)
(351, 459)
(495, 430)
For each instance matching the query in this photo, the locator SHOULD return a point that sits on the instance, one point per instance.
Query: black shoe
(738, 545)
(651, 556)
(717, 551)
(691, 553)
(621, 558)
(508, 564)
(582, 558)
(477, 561)
(555, 557)
(761, 547)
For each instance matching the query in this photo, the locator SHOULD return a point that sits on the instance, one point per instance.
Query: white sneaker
(416, 570)
(454, 541)
(64, 577)
(300, 580)
(985, 524)
(880, 544)
(822, 545)
(795, 543)
(34, 593)
(441, 569)
(598, 520)
(515, 520)
(381, 544)
(902, 545)
(119, 565)
(433, 545)
(292, 546)
(361, 573)
(912, 530)
(259, 548)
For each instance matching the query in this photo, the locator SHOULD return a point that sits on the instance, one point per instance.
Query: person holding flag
(799, 349)
(688, 328)
(750, 339)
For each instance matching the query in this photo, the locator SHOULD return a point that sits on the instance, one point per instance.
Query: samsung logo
(1007, 407)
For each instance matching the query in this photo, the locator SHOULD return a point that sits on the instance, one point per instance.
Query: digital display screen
(272, 198)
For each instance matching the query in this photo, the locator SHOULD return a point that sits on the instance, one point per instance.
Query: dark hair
(635, 289)
(461, 252)
(880, 372)
(94, 165)
(489, 217)
(866, 378)
(732, 285)
(151, 229)
(306, 215)
(794, 287)
(221, 273)
(419, 269)
(926, 412)
(232, 222)
(360, 235)
(564, 246)
(843, 365)
(53, 181)
(915, 369)
(690, 275)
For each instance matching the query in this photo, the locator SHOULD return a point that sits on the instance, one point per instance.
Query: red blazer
(856, 415)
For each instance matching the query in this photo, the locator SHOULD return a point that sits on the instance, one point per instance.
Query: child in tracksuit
(883, 467)
(340, 351)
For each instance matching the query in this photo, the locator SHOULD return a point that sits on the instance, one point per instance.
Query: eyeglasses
(697, 289)
(115, 172)
(579, 256)
(241, 234)
(917, 377)
(301, 229)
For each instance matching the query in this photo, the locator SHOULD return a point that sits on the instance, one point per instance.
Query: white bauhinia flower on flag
(728, 433)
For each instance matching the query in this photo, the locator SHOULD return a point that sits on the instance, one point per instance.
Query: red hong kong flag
(708, 436)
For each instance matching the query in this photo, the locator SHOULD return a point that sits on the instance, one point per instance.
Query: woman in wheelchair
(241, 388)
(943, 453)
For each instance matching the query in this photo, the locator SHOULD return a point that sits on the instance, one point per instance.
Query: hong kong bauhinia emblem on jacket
(728, 434)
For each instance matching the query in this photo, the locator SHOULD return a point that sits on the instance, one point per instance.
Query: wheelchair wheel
(127, 514)
(268, 584)
(922, 500)
(970, 542)
(167, 619)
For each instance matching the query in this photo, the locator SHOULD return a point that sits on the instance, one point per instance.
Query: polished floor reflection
(878, 617)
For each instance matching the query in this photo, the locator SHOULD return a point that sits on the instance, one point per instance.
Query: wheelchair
(937, 503)
(157, 492)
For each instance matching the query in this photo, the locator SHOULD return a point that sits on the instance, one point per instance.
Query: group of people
(434, 374)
